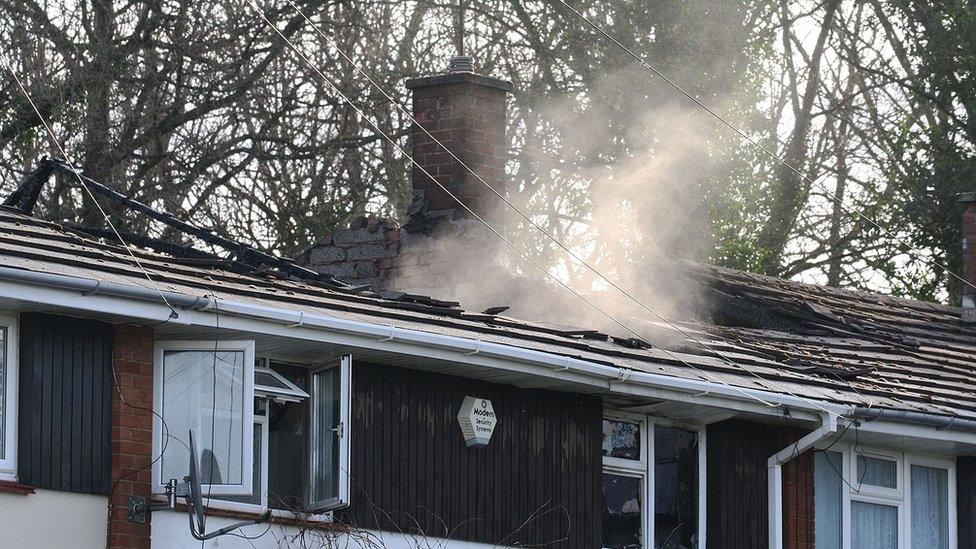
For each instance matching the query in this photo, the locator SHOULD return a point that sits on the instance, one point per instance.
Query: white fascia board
(316, 327)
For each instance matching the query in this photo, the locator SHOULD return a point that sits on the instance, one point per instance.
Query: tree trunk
(97, 163)
(790, 191)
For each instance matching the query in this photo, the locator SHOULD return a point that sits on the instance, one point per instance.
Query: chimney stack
(466, 112)
(968, 200)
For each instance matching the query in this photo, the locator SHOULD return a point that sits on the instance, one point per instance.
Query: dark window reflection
(675, 488)
(621, 439)
(286, 446)
(621, 511)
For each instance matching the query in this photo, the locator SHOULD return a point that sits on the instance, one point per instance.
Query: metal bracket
(138, 509)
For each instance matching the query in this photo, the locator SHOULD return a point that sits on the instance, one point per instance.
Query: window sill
(14, 487)
(305, 523)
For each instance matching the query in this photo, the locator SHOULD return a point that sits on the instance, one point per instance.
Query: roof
(783, 336)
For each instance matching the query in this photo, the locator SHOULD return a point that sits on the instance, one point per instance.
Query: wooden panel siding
(537, 482)
(736, 495)
(966, 501)
(64, 403)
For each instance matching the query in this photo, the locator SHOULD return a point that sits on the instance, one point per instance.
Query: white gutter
(144, 302)
(774, 468)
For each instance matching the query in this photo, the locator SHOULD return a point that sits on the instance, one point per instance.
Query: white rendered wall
(171, 531)
(50, 519)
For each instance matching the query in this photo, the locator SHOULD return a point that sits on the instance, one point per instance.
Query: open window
(299, 438)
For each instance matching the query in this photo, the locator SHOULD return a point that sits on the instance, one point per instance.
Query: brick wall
(798, 503)
(131, 438)
(361, 254)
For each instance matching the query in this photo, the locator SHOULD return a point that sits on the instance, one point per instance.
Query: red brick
(131, 434)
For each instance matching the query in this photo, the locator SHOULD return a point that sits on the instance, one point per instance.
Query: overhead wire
(706, 375)
(515, 208)
(84, 186)
(752, 141)
(173, 314)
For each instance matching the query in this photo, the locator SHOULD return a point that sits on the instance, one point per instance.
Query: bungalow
(330, 391)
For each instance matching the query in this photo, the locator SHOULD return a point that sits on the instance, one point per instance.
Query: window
(298, 431)
(872, 499)
(8, 397)
(206, 387)
(652, 489)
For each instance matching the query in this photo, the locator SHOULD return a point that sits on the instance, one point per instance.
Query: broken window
(650, 485)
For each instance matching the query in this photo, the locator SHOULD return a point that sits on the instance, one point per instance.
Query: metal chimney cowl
(461, 63)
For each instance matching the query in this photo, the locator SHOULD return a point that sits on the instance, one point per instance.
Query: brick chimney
(968, 201)
(437, 249)
(466, 112)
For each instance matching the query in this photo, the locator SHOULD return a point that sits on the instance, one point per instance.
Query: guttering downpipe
(774, 467)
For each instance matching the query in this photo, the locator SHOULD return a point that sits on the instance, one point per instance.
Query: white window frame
(247, 442)
(899, 497)
(8, 461)
(644, 468)
(292, 392)
(345, 435)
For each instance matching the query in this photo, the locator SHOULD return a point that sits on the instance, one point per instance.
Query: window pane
(287, 461)
(828, 499)
(204, 391)
(621, 439)
(675, 488)
(256, 487)
(930, 507)
(268, 380)
(621, 511)
(876, 472)
(874, 526)
(3, 392)
(325, 454)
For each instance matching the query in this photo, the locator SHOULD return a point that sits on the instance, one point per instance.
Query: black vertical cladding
(736, 493)
(966, 501)
(530, 486)
(64, 405)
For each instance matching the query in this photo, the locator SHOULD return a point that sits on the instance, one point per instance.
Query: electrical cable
(509, 204)
(511, 244)
(753, 141)
(91, 195)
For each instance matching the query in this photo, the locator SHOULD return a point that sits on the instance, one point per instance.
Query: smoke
(620, 177)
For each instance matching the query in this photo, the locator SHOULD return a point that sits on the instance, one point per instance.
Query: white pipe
(774, 467)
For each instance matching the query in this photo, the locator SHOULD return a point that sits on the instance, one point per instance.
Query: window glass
(621, 439)
(621, 511)
(675, 488)
(257, 488)
(828, 499)
(930, 507)
(286, 446)
(876, 472)
(325, 437)
(204, 391)
(268, 380)
(874, 526)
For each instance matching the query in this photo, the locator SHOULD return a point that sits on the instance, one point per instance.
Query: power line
(513, 206)
(524, 254)
(754, 142)
(50, 132)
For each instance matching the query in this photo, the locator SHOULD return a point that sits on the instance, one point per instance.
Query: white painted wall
(50, 519)
(171, 531)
